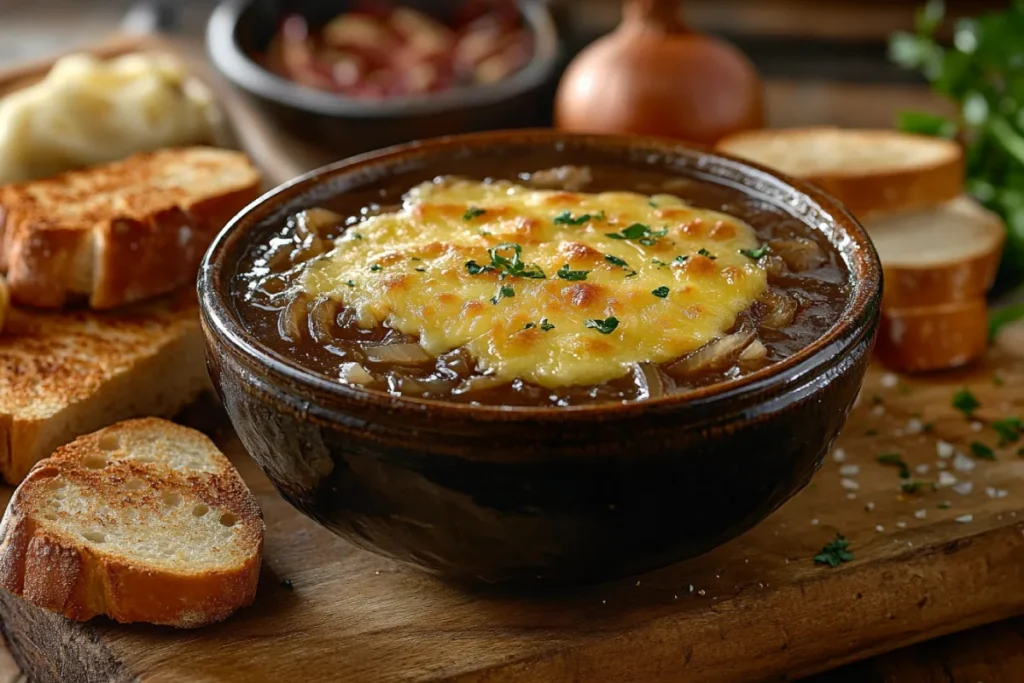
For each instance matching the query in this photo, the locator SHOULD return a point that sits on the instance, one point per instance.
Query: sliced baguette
(122, 232)
(144, 521)
(933, 337)
(870, 171)
(935, 256)
(67, 374)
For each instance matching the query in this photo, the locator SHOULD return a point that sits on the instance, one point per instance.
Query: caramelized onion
(321, 319)
(570, 178)
(292, 319)
(800, 254)
(399, 354)
(316, 222)
(648, 381)
(715, 355)
(754, 353)
(781, 311)
(479, 383)
(354, 373)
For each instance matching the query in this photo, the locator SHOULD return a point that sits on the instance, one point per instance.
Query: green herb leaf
(981, 451)
(616, 261)
(421, 270)
(916, 486)
(704, 252)
(660, 292)
(658, 262)
(897, 460)
(545, 325)
(1002, 317)
(473, 212)
(574, 275)
(350, 283)
(835, 552)
(756, 254)
(375, 267)
(606, 326)
(965, 402)
(651, 203)
(530, 326)
(640, 232)
(475, 268)
(512, 266)
(681, 259)
(1009, 430)
(566, 218)
(357, 236)
(504, 292)
(944, 506)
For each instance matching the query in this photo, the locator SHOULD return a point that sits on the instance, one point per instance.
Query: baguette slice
(122, 232)
(870, 171)
(67, 374)
(947, 253)
(142, 521)
(933, 337)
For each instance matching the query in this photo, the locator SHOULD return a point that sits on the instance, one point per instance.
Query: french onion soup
(567, 286)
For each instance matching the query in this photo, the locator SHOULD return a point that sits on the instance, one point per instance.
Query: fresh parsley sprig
(835, 552)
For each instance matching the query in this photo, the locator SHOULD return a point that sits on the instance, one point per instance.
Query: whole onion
(653, 76)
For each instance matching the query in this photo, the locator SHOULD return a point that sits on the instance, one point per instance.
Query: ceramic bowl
(346, 125)
(576, 494)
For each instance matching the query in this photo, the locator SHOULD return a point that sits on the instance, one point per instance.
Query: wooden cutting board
(758, 608)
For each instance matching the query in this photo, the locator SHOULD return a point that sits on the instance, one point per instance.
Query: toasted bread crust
(61, 573)
(933, 337)
(82, 234)
(864, 192)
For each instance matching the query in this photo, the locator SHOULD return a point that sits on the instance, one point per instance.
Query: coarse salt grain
(965, 519)
(921, 514)
(849, 484)
(946, 479)
(879, 528)
(964, 487)
(914, 426)
(839, 455)
(814, 522)
(922, 468)
(869, 506)
(993, 492)
(902, 525)
(890, 380)
(878, 411)
(962, 463)
(977, 426)
(944, 449)
(941, 464)
(849, 470)
(851, 496)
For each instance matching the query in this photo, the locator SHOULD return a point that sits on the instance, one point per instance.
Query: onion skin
(652, 76)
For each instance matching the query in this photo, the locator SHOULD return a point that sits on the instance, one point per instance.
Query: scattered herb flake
(350, 283)
(981, 451)
(415, 258)
(653, 204)
(916, 486)
(835, 552)
(504, 292)
(681, 259)
(421, 269)
(897, 460)
(965, 402)
(545, 325)
(658, 262)
(998, 381)
(616, 261)
(514, 266)
(573, 275)
(1009, 430)
(707, 254)
(756, 254)
(485, 233)
(640, 232)
(871, 432)
(566, 218)
(606, 326)
(660, 292)
(1003, 317)
(357, 236)
(375, 267)
(475, 268)
(473, 212)
(877, 400)
(944, 506)
(928, 427)
(530, 326)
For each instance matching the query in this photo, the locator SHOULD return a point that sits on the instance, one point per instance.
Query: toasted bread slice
(870, 171)
(122, 232)
(933, 337)
(939, 255)
(66, 374)
(142, 521)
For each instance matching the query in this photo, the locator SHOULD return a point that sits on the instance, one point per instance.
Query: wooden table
(992, 654)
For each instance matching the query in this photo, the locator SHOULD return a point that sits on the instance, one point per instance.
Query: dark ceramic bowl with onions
(514, 494)
(240, 30)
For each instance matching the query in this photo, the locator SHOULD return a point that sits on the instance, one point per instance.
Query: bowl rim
(232, 61)
(855, 323)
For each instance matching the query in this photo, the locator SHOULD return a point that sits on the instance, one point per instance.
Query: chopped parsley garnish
(504, 292)
(917, 486)
(639, 232)
(375, 267)
(1009, 430)
(484, 233)
(473, 212)
(928, 427)
(514, 266)
(660, 292)
(944, 506)
(981, 451)
(658, 262)
(835, 552)
(415, 258)
(704, 252)
(965, 402)
(529, 326)
(616, 261)
(357, 236)
(545, 325)
(606, 326)
(566, 218)
(421, 269)
(350, 283)
(475, 268)
(756, 254)
(566, 274)
(681, 259)
(897, 460)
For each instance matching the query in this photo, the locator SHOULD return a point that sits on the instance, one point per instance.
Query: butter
(88, 111)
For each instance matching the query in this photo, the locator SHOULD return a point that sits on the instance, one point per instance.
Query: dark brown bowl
(348, 125)
(493, 494)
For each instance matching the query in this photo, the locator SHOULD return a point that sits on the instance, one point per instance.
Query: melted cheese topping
(409, 269)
